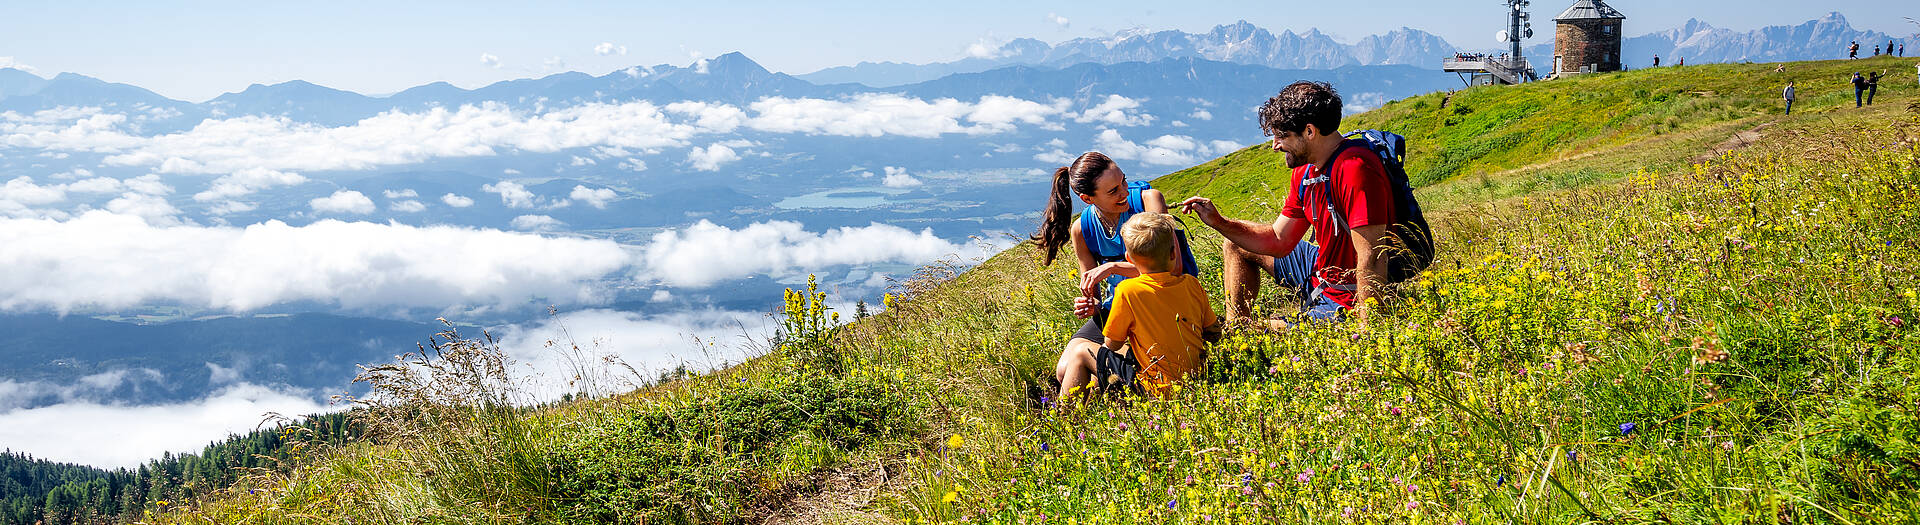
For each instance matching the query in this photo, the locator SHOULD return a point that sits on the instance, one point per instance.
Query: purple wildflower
(1172, 503)
(1044, 447)
(1626, 429)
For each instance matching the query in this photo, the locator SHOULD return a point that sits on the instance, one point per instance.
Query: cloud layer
(112, 436)
(102, 260)
(257, 152)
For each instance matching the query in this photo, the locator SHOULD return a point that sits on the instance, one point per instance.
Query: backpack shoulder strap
(1136, 199)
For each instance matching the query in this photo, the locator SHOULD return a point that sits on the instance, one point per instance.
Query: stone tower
(1587, 39)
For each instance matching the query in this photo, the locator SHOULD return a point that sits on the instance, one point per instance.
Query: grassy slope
(1573, 295)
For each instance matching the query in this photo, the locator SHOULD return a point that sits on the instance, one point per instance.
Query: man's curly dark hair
(1300, 104)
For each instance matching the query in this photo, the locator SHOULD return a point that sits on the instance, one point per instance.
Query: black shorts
(1092, 330)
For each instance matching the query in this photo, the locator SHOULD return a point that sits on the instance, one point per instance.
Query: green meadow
(1656, 299)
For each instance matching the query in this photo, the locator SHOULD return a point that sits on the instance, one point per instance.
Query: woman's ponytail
(1078, 177)
(1055, 217)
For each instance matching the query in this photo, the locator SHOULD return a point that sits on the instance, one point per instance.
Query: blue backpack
(1409, 241)
(1108, 249)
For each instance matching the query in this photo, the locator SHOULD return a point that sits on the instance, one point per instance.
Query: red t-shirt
(1358, 183)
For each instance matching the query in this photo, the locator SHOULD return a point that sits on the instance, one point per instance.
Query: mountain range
(1698, 42)
(1244, 43)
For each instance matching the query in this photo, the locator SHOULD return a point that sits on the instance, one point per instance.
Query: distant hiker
(1876, 50)
(1889, 47)
(1853, 50)
(1097, 240)
(1873, 85)
(1656, 61)
(1859, 88)
(1789, 95)
(1340, 189)
(1160, 324)
(1903, 50)
(1681, 63)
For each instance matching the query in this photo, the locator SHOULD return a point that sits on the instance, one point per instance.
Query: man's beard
(1295, 161)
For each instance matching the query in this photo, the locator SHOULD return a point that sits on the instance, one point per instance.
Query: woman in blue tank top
(1097, 247)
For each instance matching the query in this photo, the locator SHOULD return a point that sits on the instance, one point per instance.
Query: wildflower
(1304, 476)
(1573, 455)
(1043, 446)
(1083, 435)
(1172, 502)
(1727, 445)
(1626, 429)
(1394, 409)
(1413, 504)
(956, 441)
(1501, 481)
(951, 497)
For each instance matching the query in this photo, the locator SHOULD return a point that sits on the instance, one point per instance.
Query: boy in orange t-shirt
(1165, 318)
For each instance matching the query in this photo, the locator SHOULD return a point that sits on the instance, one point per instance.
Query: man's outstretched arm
(1277, 239)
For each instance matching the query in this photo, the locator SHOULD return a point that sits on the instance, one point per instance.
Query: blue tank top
(1110, 248)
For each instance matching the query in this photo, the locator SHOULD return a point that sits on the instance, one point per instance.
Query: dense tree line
(40, 491)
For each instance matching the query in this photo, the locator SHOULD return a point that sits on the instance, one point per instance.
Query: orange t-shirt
(1160, 316)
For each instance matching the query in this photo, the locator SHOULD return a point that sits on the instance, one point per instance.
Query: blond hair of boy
(1165, 317)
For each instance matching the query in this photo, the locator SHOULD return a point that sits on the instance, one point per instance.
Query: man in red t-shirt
(1341, 271)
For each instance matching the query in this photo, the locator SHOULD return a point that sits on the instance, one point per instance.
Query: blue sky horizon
(200, 50)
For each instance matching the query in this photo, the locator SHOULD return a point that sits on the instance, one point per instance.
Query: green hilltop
(1656, 300)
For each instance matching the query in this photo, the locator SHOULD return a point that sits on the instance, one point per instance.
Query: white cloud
(151, 208)
(709, 117)
(554, 64)
(511, 194)
(117, 436)
(706, 253)
(597, 198)
(487, 59)
(897, 177)
(9, 62)
(1223, 147)
(986, 47)
(24, 191)
(1056, 19)
(1167, 150)
(1201, 114)
(660, 296)
(408, 206)
(232, 207)
(401, 194)
(537, 223)
(148, 184)
(1116, 110)
(579, 161)
(608, 48)
(633, 164)
(1056, 156)
(710, 158)
(343, 201)
(245, 182)
(456, 201)
(876, 115)
(279, 144)
(217, 374)
(129, 261)
(701, 339)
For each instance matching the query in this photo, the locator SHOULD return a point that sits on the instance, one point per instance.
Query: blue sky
(197, 50)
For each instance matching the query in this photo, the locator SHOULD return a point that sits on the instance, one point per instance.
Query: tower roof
(1590, 10)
